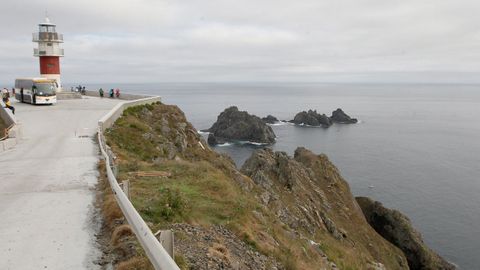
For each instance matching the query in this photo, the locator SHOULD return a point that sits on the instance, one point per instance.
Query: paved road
(47, 188)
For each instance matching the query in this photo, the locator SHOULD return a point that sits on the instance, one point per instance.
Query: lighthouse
(49, 51)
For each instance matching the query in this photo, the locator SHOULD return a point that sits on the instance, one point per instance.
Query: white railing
(157, 255)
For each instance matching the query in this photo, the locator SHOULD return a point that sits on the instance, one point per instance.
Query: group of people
(112, 93)
(6, 99)
(79, 88)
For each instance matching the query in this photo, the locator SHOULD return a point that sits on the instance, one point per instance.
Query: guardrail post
(126, 188)
(165, 237)
(115, 170)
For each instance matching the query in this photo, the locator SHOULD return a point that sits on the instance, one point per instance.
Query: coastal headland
(276, 212)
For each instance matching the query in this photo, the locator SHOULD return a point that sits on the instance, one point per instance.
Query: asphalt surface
(47, 187)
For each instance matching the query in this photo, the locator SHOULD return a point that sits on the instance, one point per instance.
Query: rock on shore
(312, 118)
(338, 116)
(235, 125)
(397, 229)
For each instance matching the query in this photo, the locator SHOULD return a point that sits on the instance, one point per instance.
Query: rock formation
(397, 229)
(312, 118)
(309, 196)
(278, 212)
(235, 125)
(338, 116)
(270, 119)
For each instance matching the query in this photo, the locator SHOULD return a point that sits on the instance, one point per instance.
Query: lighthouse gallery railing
(154, 250)
(47, 36)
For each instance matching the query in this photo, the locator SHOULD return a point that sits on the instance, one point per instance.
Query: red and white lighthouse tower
(49, 51)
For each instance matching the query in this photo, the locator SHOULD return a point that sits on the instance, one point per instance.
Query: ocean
(415, 149)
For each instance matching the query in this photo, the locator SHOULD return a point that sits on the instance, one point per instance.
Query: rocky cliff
(235, 125)
(278, 212)
(396, 228)
(308, 194)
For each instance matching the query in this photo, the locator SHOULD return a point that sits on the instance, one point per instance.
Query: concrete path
(47, 188)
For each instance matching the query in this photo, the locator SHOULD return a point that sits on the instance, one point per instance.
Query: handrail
(157, 255)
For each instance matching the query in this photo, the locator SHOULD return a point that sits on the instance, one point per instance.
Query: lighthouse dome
(47, 22)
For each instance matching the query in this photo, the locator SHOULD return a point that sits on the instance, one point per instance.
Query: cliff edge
(278, 212)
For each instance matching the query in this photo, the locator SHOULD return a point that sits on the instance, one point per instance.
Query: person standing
(100, 92)
(111, 93)
(5, 93)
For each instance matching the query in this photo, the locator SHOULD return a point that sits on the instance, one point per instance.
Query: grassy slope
(205, 188)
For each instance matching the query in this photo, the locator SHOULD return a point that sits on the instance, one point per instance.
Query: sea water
(415, 149)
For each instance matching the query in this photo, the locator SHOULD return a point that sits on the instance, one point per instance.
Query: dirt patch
(216, 247)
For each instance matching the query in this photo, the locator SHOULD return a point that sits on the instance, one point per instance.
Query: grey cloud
(147, 40)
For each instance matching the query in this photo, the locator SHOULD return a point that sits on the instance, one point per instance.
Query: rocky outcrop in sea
(313, 118)
(339, 116)
(270, 119)
(234, 125)
(397, 229)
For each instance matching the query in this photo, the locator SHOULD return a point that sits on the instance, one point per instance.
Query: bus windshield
(45, 89)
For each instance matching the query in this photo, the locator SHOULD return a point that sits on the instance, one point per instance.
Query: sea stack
(339, 116)
(233, 125)
(312, 118)
(270, 119)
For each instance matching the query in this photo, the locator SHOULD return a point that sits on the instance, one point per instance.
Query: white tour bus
(36, 90)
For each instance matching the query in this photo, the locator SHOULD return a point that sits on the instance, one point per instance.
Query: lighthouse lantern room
(49, 51)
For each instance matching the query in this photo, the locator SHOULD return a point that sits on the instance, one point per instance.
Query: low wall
(110, 118)
(7, 115)
(155, 252)
(13, 132)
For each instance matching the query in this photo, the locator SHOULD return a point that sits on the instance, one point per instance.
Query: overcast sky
(261, 40)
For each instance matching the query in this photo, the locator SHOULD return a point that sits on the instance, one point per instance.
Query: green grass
(196, 192)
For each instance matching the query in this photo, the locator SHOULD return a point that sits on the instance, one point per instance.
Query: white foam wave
(280, 123)
(224, 144)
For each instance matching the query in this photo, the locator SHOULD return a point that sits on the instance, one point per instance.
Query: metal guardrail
(157, 255)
